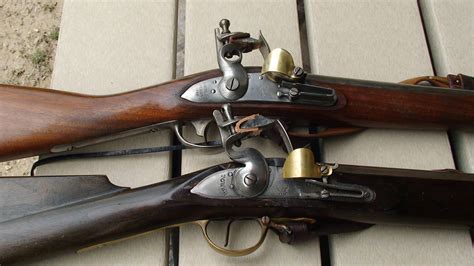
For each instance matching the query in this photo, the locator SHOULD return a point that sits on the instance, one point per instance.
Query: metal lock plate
(261, 89)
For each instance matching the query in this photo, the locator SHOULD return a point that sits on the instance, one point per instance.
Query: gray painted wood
(109, 47)
(382, 40)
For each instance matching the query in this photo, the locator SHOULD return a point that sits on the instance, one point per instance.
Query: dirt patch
(29, 31)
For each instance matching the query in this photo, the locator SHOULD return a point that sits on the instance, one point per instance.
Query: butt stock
(35, 121)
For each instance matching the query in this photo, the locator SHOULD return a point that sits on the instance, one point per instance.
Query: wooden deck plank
(109, 47)
(382, 40)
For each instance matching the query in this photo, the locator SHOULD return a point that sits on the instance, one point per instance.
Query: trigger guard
(233, 252)
(177, 128)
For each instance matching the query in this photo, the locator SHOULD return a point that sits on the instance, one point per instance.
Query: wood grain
(35, 120)
(401, 196)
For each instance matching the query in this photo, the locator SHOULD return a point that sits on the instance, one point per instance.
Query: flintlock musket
(56, 121)
(296, 198)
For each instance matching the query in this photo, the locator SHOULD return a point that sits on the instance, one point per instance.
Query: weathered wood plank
(382, 40)
(109, 47)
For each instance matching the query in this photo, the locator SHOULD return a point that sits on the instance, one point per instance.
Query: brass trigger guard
(234, 252)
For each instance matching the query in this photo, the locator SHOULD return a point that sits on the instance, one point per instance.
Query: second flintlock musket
(55, 121)
(296, 198)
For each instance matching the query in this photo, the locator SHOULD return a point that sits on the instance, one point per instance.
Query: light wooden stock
(34, 120)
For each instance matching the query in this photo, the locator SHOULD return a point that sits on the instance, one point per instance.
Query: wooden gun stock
(107, 212)
(34, 121)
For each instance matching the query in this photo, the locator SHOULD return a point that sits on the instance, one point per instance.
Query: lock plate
(261, 89)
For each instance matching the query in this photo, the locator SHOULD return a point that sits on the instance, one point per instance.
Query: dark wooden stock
(402, 196)
(35, 120)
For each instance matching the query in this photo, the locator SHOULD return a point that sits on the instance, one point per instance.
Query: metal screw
(265, 220)
(324, 194)
(232, 84)
(213, 91)
(230, 174)
(298, 71)
(250, 179)
(324, 170)
(225, 24)
(293, 93)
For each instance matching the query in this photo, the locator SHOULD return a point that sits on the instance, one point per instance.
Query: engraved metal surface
(220, 185)
(251, 180)
(261, 89)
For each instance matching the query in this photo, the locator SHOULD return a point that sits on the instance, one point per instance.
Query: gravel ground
(29, 31)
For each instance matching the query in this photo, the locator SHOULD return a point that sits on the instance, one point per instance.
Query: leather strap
(433, 80)
(461, 81)
(458, 81)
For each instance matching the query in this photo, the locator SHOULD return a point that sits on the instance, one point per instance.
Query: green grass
(54, 35)
(39, 57)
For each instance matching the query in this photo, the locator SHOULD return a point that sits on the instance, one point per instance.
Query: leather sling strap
(459, 81)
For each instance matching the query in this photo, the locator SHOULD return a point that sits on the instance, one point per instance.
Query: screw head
(265, 220)
(324, 170)
(232, 84)
(250, 179)
(298, 71)
(324, 194)
(294, 92)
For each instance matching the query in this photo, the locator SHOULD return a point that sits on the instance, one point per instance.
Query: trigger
(201, 126)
